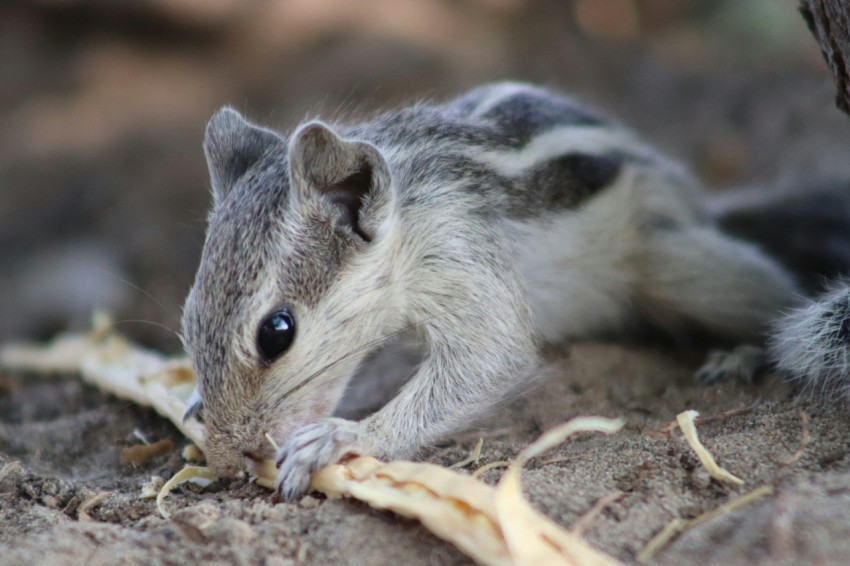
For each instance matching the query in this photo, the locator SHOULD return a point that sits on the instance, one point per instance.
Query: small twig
(89, 504)
(660, 540)
(673, 425)
(473, 457)
(505, 463)
(472, 435)
(689, 430)
(679, 526)
(491, 466)
(272, 442)
(591, 514)
(804, 442)
(559, 459)
(730, 506)
(140, 453)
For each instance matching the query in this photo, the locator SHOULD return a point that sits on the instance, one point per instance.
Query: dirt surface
(70, 455)
(103, 192)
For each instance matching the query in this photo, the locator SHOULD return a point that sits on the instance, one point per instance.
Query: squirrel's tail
(805, 226)
(807, 229)
(811, 345)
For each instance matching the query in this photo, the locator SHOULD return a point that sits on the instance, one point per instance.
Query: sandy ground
(103, 191)
(68, 439)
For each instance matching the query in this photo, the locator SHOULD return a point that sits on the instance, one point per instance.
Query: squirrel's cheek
(223, 457)
(225, 463)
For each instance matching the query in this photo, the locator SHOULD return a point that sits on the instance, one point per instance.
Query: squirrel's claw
(310, 448)
(745, 363)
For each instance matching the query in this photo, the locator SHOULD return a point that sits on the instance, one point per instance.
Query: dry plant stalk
(141, 453)
(188, 473)
(660, 540)
(689, 429)
(586, 520)
(111, 363)
(473, 457)
(89, 504)
(492, 525)
(678, 526)
(686, 422)
(673, 425)
(491, 466)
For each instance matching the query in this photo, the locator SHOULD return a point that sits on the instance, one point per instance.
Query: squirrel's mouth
(260, 464)
(260, 452)
(264, 470)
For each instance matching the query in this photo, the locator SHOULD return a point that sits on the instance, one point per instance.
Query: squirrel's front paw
(310, 448)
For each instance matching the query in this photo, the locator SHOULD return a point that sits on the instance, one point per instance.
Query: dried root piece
(473, 457)
(689, 429)
(453, 506)
(492, 525)
(188, 473)
(673, 425)
(265, 472)
(586, 520)
(660, 540)
(89, 504)
(151, 489)
(491, 466)
(111, 363)
(532, 537)
(140, 453)
(63, 355)
(678, 526)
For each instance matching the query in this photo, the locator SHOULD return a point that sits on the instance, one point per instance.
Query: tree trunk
(829, 21)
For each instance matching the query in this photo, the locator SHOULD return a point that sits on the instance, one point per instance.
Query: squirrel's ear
(350, 177)
(232, 145)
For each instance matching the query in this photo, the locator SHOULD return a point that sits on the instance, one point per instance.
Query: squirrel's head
(291, 289)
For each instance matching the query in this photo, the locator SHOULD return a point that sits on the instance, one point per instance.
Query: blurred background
(103, 104)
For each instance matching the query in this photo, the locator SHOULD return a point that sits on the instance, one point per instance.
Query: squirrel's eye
(276, 334)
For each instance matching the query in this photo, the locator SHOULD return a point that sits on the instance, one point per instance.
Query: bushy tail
(811, 345)
(806, 227)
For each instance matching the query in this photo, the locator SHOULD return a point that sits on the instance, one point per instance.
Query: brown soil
(69, 438)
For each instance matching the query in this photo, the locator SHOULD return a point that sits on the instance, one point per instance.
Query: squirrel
(486, 227)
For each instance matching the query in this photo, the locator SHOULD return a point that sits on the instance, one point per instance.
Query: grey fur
(232, 146)
(484, 226)
(811, 345)
(804, 222)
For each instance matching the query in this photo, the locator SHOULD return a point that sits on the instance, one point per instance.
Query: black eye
(276, 334)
